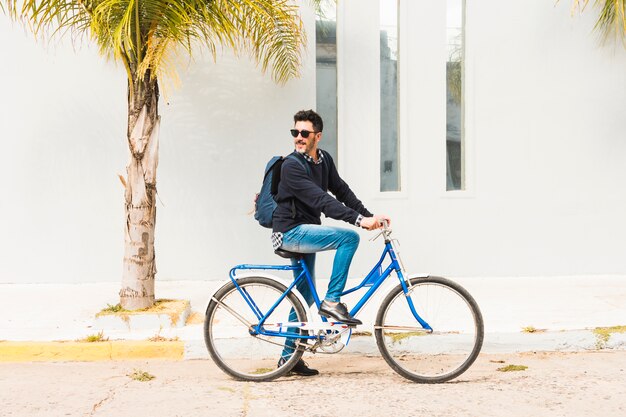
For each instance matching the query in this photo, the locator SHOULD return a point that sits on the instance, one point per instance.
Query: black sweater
(310, 194)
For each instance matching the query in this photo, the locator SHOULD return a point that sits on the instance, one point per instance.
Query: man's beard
(302, 148)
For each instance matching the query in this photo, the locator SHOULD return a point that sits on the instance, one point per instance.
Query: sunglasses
(305, 133)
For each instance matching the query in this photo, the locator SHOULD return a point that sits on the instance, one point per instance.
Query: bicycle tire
(436, 357)
(232, 347)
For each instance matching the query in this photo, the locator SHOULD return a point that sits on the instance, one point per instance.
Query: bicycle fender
(285, 282)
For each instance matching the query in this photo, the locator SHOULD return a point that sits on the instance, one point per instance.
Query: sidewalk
(564, 311)
(554, 384)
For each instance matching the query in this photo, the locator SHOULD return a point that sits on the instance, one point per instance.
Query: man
(300, 230)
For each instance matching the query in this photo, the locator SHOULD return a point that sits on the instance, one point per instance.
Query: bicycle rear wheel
(421, 356)
(227, 329)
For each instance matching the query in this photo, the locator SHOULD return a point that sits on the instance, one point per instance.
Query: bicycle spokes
(234, 343)
(424, 355)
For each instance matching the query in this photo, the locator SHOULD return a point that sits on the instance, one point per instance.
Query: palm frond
(322, 7)
(57, 16)
(144, 33)
(612, 19)
(272, 32)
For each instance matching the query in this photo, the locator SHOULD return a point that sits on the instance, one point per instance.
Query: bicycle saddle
(286, 254)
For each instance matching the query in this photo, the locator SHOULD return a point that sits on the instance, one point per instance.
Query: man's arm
(295, 178)
(342, 191)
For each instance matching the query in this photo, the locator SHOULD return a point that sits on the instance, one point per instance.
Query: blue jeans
(309, 239)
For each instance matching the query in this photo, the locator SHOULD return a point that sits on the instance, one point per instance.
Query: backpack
(264, 203)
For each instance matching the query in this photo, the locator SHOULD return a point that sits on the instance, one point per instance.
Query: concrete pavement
(44, 321)
(554, 384)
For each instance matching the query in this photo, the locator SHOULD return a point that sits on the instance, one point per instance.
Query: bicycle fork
(407, 287)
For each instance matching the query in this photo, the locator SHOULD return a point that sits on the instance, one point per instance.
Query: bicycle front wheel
(229, 336)
(424, 356)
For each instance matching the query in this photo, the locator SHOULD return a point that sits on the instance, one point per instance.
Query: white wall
(545, 140)
(63, 143)
(62, 115)
(546, 123)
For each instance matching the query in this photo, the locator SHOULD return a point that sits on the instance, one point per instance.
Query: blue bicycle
(429, 329)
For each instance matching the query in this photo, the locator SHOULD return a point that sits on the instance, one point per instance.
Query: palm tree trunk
(137, 290)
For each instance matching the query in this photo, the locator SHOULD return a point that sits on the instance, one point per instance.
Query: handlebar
(385, 232)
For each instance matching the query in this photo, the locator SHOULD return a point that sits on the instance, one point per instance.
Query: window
(326, 72)
(389, 141)
(455, 150)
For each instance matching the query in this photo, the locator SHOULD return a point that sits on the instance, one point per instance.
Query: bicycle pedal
(339, 323)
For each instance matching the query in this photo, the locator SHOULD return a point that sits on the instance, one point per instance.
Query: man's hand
(372, 223)
(382, 217)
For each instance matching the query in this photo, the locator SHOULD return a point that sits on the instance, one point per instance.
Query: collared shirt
(309, 158)
(338, 188)
(277, 237)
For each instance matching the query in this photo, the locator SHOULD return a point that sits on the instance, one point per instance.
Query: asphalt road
(554, 384)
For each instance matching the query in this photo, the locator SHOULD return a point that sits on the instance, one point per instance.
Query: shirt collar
(320, 157)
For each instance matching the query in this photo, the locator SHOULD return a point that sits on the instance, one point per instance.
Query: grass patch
(172, 308)
(159, 338)
(528, 329)
(398, 336)
(139, 375)
(92, 338)
(158, 306)
(512, 368)
(261, 371)
(603, 334)
(531, 329)
(117, 308)
(361, 333)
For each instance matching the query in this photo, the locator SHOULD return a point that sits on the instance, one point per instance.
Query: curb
(178, 350)
(89, 352)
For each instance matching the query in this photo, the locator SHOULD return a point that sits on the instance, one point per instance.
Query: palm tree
(612, 19)
(142, 35)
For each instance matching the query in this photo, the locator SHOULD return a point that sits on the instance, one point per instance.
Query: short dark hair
(309, 116)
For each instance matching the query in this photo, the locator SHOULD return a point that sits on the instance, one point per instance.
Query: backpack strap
(300, 159)
(307, 168)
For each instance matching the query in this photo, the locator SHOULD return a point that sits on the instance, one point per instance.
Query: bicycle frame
(373, 279)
